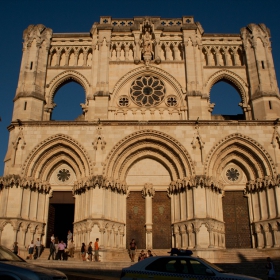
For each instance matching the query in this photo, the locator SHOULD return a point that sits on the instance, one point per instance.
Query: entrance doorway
(236, 218)
(61, 215)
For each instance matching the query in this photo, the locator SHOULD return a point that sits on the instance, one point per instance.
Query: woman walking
(83, 251)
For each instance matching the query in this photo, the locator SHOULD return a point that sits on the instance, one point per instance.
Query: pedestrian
(83, 251)
(96, 250)
(142, 256)
(89, 251)
(52, 250)
(132, 249)
(16, 248)
(71, 248)
(149, 254)
(271, 270)
(52, 237)
(56, 242)
(61, 250)
(38, 247)
(31, 249)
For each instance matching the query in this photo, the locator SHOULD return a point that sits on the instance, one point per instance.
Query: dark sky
(226, 16)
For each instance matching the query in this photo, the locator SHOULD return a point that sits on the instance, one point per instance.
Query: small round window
(171, 101)
(232, 174)
(147, 91)
(123, 101)
(63, 175)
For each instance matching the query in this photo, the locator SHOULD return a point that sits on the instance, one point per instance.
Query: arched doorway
(142, 219)
(61, 215)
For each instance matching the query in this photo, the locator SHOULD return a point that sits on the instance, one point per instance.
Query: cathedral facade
(146, 159)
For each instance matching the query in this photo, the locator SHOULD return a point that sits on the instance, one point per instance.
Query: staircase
(241, 261)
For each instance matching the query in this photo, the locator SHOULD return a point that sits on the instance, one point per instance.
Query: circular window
(171, 101)
(123, 101)
(232, 174)
(147, 91)
(63, 175)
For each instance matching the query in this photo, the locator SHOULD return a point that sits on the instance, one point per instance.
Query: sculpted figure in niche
(147, 44)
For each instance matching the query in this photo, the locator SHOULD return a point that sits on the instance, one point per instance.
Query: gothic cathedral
(146, 159)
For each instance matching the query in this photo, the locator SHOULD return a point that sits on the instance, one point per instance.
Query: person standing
(16, 248)
(96, 250)
(52, 237)
(271, 270)
(31, 249)
(89, 251)
(149, 254)
(83, 251)
(132, 249)
(38, 247)
(61, 250)
(52, 250)
(71, 248)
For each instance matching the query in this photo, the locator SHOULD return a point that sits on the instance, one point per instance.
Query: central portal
(148, 216)
(61, 215)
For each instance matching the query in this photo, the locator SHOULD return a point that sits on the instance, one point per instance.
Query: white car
(13, 267)
(177, 267)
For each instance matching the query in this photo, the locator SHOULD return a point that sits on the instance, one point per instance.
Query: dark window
(263, 64)
(25, 105)
(198, 267)
(270, 105)
(31, 65)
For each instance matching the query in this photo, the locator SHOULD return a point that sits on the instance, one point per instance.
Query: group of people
(142, 255)
(61, 250)
(87, 251)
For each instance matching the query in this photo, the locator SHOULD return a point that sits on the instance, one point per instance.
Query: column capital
(148, 190)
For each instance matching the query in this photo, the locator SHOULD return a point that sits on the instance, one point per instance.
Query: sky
(215, 16)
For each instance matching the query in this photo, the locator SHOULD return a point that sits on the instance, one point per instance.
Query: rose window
(147, 91)
(63, 175)
(232, 174)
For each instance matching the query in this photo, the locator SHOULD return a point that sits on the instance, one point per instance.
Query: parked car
(177, 266)
(12, 267)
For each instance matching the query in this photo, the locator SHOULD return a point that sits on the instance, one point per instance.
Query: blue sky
(226, 16)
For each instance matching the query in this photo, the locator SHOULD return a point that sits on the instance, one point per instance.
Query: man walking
(38, 247)
(96, 250)
(52, 250)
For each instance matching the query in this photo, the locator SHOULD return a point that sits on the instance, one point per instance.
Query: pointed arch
(152, 71)
(236, 81)
(63, 77)
(243, 151)
(55, 150)
(148, 144)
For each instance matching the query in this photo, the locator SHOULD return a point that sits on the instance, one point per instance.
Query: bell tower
(265, 99)
(29, 100)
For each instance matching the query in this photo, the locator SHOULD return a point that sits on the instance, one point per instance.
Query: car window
(7, 255)
(198, 267)
(171, 265)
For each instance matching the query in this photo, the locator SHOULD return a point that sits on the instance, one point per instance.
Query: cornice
(193, 123)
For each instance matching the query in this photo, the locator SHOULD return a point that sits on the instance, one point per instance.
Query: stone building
(146, 159)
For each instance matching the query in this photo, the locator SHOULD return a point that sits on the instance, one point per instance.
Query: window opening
(31, 65)
(270, 105)
(226, 99)
(263, 64)
(25, 105)
(68, 99)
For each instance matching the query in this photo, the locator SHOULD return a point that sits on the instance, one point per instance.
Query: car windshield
(213, 266)
(7, 255)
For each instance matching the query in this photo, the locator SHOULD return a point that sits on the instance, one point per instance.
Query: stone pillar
(148, 192)
(190, 235)
(184, 239)
(275, 235)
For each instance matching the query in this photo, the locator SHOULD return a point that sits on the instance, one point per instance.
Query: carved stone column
(275, 235)
(148, 192)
